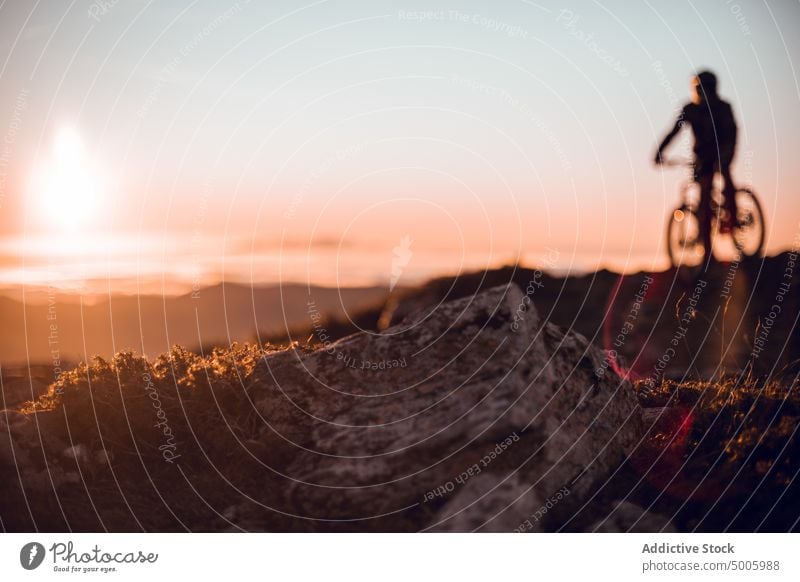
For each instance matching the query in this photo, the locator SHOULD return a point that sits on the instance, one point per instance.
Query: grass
(720, 455)
(105, 427)
(751, 424)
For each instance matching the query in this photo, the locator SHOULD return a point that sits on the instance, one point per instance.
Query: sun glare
(69, 186)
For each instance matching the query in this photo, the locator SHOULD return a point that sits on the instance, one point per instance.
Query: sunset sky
(170, 144)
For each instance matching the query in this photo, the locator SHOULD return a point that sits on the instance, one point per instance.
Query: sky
(155, 145)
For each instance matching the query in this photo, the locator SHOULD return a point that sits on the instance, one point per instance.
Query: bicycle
(684, 240)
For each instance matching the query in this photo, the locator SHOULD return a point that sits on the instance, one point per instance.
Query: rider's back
(713, 126)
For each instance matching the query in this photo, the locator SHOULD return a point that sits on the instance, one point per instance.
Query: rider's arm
(669, 137)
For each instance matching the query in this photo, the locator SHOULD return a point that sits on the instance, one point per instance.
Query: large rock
(471, 416)
(32, 453)
(627, 517)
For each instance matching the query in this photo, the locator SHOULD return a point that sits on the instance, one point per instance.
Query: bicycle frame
(717, 199)
(690, 197)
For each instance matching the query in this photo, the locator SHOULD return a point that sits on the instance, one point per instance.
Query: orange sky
(151, 151)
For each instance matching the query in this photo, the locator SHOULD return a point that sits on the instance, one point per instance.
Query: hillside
(637, 316)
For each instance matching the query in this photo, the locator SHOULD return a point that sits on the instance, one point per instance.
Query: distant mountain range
(62, 326)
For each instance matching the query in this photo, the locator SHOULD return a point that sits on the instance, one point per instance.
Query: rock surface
(628, 517)
(473, 415)
(469, 416)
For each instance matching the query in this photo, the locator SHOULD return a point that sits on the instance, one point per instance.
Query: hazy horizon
(124, 269)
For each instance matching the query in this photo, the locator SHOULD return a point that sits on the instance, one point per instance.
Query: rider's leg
(706, 183)
(729, 191)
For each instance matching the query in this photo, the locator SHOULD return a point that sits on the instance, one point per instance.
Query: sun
(68, 183)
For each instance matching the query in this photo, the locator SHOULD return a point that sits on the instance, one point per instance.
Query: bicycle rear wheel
(684, 243)
(749, 234)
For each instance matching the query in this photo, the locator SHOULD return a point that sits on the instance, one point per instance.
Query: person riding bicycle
(714, 129)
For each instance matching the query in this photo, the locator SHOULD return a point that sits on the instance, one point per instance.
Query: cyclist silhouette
(714, 128)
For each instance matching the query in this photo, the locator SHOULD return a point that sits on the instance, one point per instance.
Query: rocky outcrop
(627, 517)
(472, 415)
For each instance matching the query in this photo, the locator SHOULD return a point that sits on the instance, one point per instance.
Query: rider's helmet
(704, 86)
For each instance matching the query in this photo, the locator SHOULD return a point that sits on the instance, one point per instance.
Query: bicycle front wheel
(684, 243)
(749, 234)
